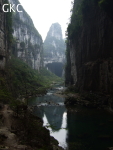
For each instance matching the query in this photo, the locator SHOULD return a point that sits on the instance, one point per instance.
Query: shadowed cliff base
(88, 99)
(89, 49)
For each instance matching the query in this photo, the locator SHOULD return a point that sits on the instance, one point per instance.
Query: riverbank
(17, 83)
(20, 130)
(74, 126)
(87, 99)
(18, 80)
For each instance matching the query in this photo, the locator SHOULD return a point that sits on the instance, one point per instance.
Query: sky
(46, 12)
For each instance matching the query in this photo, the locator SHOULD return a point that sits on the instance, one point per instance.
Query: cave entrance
(56, 68)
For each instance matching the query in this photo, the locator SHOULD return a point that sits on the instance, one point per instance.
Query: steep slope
(2, 38)
(19, 129)
(5, 36)
(54, 50)
(89, 47)
(19, 78)
(28, 44)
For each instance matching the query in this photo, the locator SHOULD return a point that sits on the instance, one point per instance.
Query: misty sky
(46, 12)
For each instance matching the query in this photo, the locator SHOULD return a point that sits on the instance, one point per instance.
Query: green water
(89, 129)
(76, 128)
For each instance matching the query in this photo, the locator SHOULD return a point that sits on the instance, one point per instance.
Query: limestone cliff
(90, 47)
(28, 44)
(54, 49)
(3, 42)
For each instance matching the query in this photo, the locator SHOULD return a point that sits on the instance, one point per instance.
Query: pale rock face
(54, 46)
(55, 31)
(25, 34)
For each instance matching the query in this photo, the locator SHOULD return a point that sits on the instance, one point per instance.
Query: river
(75, 128)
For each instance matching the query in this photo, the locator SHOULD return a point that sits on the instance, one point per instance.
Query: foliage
(49, 77)
(5, 94)
(22, 44)
(80, 8)
(21, 80)
(106, 5)
(80, 16)
(27, 80)
(30, 46)
(76, 20)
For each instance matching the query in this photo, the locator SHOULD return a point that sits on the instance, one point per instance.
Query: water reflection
(55, 119)
(61, 135)
(52, 110)
(89, 129)
(38, 111)
(77, 128)
(54, 115)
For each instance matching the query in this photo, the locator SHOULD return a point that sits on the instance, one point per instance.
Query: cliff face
(28, 44)
(54, 49)
(90, 48)
(3, 44)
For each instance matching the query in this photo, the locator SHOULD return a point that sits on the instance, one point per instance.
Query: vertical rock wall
(3, 44)
(91, 49)
(28, 44)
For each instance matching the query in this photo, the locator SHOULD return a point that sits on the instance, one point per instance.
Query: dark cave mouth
(56, 68)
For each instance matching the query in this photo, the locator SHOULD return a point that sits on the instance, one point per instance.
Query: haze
(46, 12)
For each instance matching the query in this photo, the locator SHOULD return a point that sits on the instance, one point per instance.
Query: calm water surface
(77, 128)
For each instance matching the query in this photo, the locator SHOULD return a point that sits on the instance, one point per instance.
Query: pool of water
(76, 128)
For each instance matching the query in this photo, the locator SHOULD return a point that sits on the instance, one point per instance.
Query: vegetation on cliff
(106, 5)
(21, 80)
(20, 128)
(79, 21)
(80, 8)
(28, 23)
(89, 47)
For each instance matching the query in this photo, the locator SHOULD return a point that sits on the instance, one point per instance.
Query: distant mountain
(54, 49)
